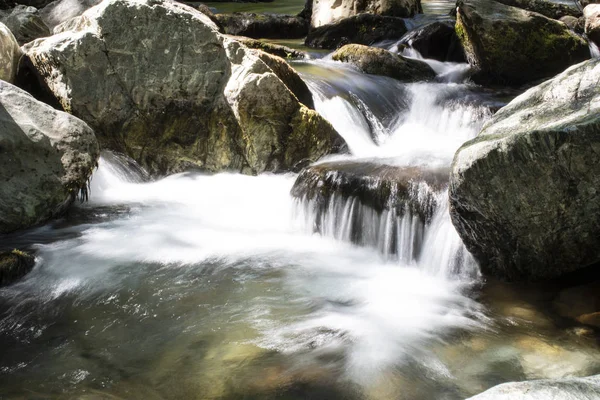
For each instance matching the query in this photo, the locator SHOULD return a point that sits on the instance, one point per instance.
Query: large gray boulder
(591, 14)
(10, 55)
(508, 45)
(545, 389)
(524, 193)
(328, 11)
(376, 61)
(158, 82)
(25, 23)
(46, 159)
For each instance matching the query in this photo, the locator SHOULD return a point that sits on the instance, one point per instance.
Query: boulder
(173, 93)
(271, 48)
(559, 389)
(436, 41)
(258, 26)
(10, 55)
(46, 159)
(362, 29)
(591, 14)
(574, 24)
(26, 24)
(524, 192)
(326, 12)
(60, 11)
(376, 61)
(508, 45)
(548, 8)
(14, 265)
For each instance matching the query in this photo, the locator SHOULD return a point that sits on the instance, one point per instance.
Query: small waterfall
(594, 50)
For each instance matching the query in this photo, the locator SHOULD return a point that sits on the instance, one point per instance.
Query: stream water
(216, 287)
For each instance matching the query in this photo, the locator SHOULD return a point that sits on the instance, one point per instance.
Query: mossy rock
(14, 265)
(508, 45)
(376, 61)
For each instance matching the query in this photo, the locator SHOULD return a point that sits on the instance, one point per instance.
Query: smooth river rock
(545, 389)
(46, 159)
(328, 11)
(591, 14)
(361, 29)
(524, 193)
(510, 46)
(174, 94)
(376, 61)
(10, 55)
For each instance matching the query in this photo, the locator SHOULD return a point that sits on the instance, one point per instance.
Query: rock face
(508, 45)
(362, 29)
(437, 41)
(14, 265)
(372, 60)
(547, 8)
(264, 25)
(328, 11)
(592, 22)
(524, 193)
(26, 24)
(559, 389)
(173, 93)
(46, 159)
(10, 54)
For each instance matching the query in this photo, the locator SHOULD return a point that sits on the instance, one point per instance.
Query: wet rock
(10, 55)
(14, 265)
(325, 12)
(591, 14)
(548, 8)
(564, 389)
(437, 41)
(271, 48)
(508, 45)
(264, 25)
(26, 24)
(376, 61)
(575, 24)
(190, 98)
(362, 29)
(46, 159)
(524, 193)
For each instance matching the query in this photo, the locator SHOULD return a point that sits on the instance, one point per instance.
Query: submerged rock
(437, 41)
(10, 55)
(14, 265)
(524, 193)
(362, 29)
(592, 22)
(264, 25)
(26, 24)
(329, 11)
(188, 98)
(376, 61)
(508, 45)
(548, 8)
(563, 389)
(46, 159)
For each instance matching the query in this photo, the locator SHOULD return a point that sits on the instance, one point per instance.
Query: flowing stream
(216, 287)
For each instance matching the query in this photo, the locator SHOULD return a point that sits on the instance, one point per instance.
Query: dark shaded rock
(548, 8)
(376, 61)
(508, 45)
(263, 25)
(574, 24)
(563, 389)
(361, 29)
(14, 265)
(46, 159)
(325, 12)
(437, 41)
(275, 49)
(524, 193)
(26, 24)
(204, 9)
(591, 14)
